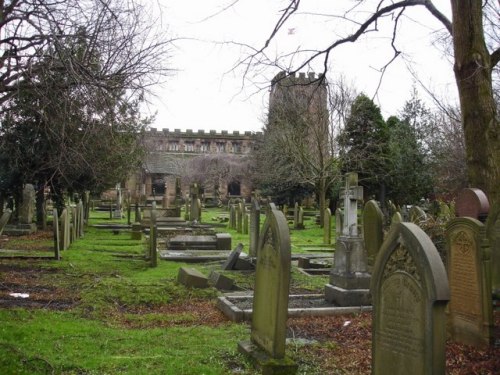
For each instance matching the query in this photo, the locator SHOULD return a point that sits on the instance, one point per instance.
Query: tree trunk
(473, 75)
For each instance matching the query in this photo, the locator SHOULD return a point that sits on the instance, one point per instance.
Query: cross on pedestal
(351, 193)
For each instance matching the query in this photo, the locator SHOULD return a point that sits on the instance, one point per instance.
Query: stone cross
(351, 194)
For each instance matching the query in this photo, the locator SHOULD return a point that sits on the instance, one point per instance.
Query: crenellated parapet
(201, 141)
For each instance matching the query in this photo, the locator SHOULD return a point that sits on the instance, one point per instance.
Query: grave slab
(191, 277)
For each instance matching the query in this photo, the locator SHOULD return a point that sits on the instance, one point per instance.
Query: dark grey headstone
(192, 278)
(233, 258)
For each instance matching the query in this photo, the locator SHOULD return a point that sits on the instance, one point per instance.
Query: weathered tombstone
(82, 218)
(136, 231)
(472, 203)
(64, 228)
(300, 221)
(219, 281)
(187, 209)
(254, 227)
(86, 205)
(349, 280)
(137, 213)
(192, 278)
(296, 215)
(270, 301)
(444, 211)
(232, 217)
(153, 236)
(223, 241)
(4, 219)
(373, 230)
(246, 218)
(232, 258)
(470, 311)
(409, 292)
(55, 229)
(195, 213)
(327, 227)
(396, 218)
(417, 215)
(117, 213)
(239, 217)
(72, 224)
(26, 208)
(178, 192)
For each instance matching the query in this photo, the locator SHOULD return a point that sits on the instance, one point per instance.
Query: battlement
(189, 133)
(290, 79)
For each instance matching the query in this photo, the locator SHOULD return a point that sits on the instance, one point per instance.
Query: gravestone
(373, 230)
(270, 301)
(396, 218)
(64, 229)
(26, 209)
(473, 203)
(254, 227)
(417, 215)
(300, 222)
(349, 280)
(232, 258)
(296, 216)
(195, 211)
(136, 233)
(72, 223)
(239, 217)
(220, 281)
(117, 212)
(153, 238)
(327, 227)
(246, 218)
(470, 312)
(232, 217)
(192, 278)
(55, 229)
(4, 219)
(178, 192)
(409, 293)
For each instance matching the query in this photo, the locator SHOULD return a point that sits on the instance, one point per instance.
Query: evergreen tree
(365, 147)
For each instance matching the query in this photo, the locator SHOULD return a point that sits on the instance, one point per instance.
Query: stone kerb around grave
(409, 293)
(470, 313)
(270, 301)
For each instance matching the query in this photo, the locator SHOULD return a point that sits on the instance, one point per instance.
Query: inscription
(465, 299)
(401, 317)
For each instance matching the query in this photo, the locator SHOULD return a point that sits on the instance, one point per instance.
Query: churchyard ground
(102, 310)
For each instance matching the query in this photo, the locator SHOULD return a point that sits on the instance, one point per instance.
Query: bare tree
(72, 77)
(474, 63)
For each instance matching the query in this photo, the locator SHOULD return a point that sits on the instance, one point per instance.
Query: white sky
(207, 94)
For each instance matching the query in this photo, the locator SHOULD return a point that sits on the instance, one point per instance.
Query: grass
(119, 315)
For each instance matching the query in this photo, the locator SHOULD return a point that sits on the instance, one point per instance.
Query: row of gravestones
(410, 291)
(67, 227)
(472, 265)
(238, 218)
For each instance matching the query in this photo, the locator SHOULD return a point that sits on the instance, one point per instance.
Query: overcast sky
(207, 93)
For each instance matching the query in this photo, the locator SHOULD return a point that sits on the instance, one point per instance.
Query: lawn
(102, 310)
